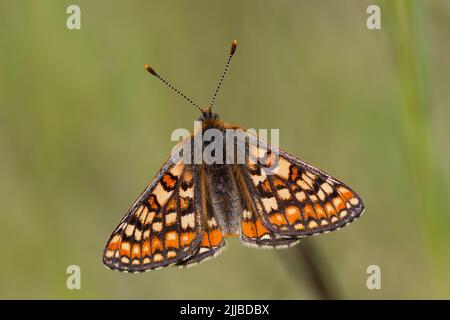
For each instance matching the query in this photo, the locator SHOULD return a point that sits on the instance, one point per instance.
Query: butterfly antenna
(154, 73)
(232, 51)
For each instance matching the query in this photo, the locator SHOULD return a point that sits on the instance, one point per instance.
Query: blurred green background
(83, 129)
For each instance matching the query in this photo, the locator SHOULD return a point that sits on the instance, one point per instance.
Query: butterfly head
(208, 115)
(210, 119)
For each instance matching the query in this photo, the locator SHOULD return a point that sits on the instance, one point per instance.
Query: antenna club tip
(150, 69)
(233, 47)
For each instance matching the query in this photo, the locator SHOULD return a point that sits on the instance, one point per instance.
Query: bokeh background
(83, 129)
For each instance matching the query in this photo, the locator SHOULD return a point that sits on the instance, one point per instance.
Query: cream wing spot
(157, 226)
(265, 236)
(270, 204)
(257, 153)
(129, 230)
(189, 193)
(283, 168)
(187, 221)
(158, 257)
(311, 175)
(212, 223)
(177, 169)
(138, 211)
(143, 214)
(284, 194)
(299, 226)
(149, 218)
(247, 214)
(109, 253)
(171, 218)
(203, 250)
(307, 179)
(137, 235)
(301, 196)
(321, 195)
(161, 195)
(312, 224)
(125, 246)
(327, 188)
(258, 178)
(302, 184)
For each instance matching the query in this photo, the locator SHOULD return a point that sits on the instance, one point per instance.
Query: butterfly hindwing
(163, 226)
(211, 244)
(255, 234)
(212, 241)
(295, 198)
(253, 231)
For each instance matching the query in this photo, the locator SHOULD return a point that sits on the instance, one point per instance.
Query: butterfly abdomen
(224, 197)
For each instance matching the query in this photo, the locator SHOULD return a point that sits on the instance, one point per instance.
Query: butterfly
(270, 200)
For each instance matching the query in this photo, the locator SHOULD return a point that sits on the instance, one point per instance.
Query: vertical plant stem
(407, 32)
(317, 272)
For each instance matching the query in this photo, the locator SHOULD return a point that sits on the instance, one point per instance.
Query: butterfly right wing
(294, 198)
(163, 226)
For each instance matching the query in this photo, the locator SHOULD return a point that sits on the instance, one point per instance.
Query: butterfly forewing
(162, 227)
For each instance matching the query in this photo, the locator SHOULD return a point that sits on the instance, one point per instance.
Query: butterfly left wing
(294, 198)
(210, 246)
(163, 226)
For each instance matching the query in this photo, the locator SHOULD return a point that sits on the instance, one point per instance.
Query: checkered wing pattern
(164, 225)
(212, 241)
(293, 198)
(254, 232)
